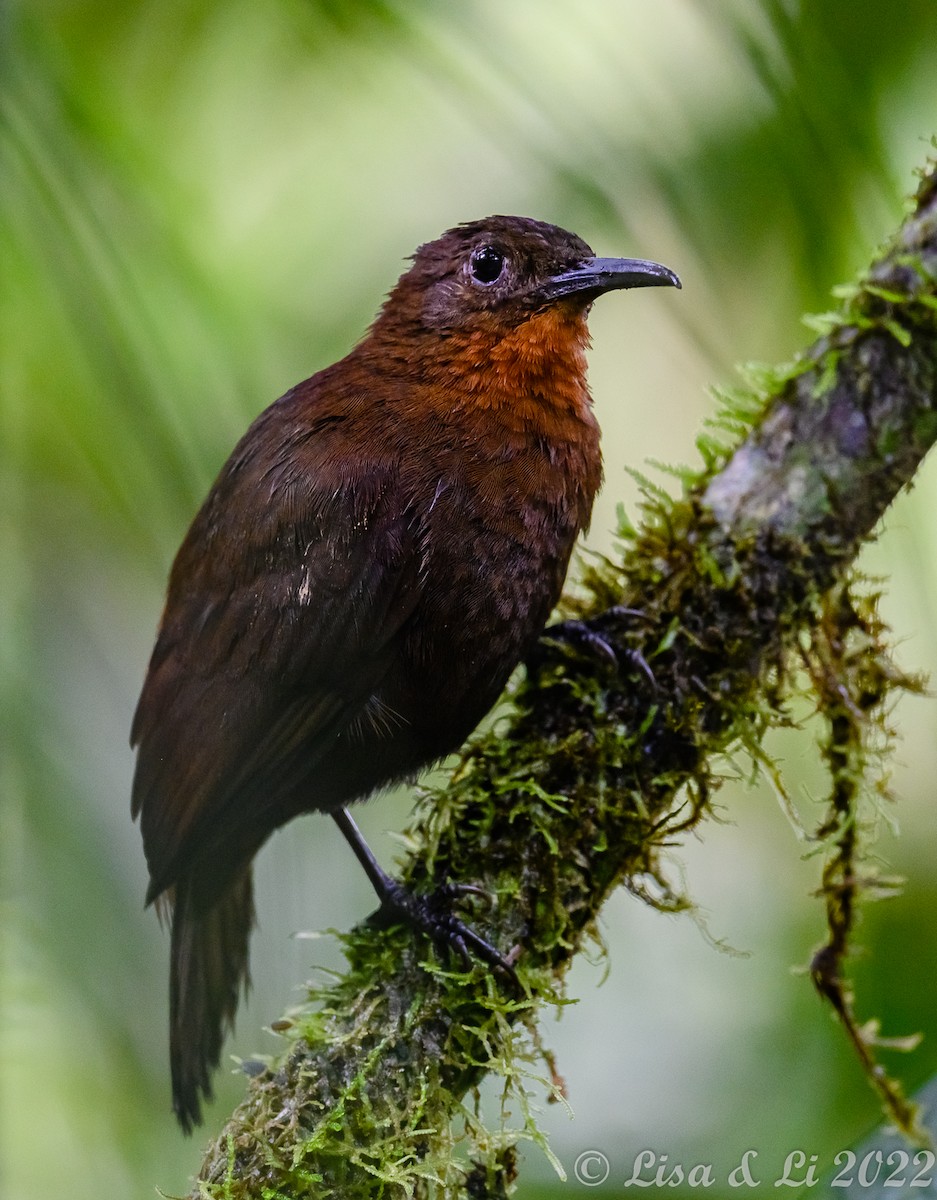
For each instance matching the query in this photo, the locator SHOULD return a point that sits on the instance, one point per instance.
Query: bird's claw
(582, 636)
(455, 891)
(637, 659)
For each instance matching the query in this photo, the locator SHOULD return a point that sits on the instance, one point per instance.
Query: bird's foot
(432, 914)
(581, 636)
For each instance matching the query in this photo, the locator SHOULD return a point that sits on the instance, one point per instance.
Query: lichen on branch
(600, 758)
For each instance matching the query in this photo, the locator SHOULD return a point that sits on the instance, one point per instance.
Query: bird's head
(495, 274)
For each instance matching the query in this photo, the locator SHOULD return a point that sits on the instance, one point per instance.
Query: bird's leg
(582, 636)
(431, 914)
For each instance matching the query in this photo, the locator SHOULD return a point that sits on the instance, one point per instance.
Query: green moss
(854, 682)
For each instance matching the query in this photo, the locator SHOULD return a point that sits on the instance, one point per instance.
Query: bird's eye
(486, 264)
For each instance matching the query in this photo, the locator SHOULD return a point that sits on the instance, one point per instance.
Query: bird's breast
(497, 530)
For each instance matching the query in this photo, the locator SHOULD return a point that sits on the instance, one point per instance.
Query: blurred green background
(204, 201)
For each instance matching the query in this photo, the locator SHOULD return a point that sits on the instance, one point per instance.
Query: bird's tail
(208, 968)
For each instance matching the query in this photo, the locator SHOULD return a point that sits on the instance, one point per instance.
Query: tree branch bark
(572, 792)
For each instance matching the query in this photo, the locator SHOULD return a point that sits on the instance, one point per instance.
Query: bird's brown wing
(285, 606)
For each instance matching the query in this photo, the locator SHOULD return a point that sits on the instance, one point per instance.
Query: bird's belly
(473, 629)
(490, 577)
(476, 621)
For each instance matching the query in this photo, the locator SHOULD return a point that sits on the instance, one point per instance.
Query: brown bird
(382, 548)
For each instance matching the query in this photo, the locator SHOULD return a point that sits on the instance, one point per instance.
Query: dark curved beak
(597, 275)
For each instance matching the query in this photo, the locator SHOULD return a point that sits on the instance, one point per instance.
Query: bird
(380, 551)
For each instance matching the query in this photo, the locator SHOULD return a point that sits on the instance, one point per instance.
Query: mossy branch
(572, 793)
